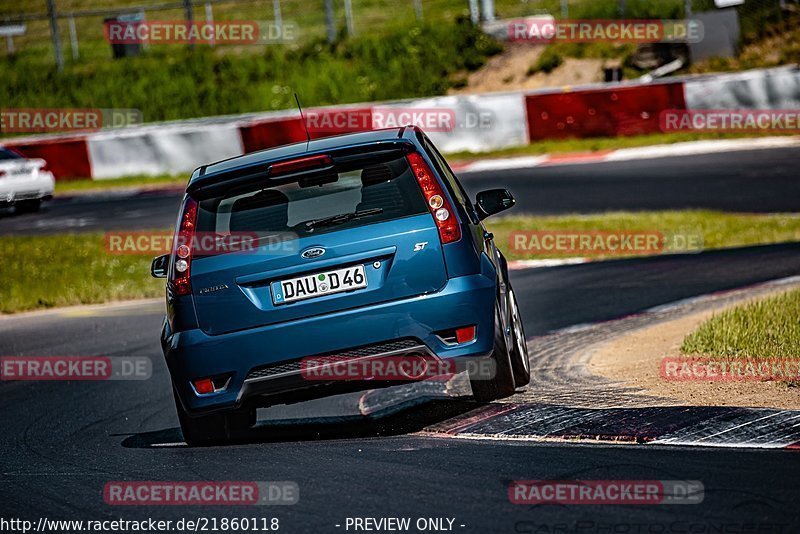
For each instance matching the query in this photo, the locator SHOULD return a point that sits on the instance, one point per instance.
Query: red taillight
(300, 164)
(465, 334)
(204, 386)
(446, 221)
(180, 277)
(213, 384)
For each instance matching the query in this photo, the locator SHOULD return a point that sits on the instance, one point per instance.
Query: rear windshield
(7, 154)
(385, 191)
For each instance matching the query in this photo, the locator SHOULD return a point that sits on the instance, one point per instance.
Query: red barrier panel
(601, 112)
(322, 122)
(271, 133)
(67, 159)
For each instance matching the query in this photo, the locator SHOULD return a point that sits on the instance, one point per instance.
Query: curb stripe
(699, 426)
(690, 148)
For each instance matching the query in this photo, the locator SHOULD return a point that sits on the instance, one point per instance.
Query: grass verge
(86, 273)
(169, 83)
(87, 184)
(764, 329)
(717, 229)
(83, 272)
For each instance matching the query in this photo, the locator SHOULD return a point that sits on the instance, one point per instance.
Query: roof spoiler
(211, 185)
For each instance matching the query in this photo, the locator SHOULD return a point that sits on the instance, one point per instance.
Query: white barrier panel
(158, 150)
(480, 123)
(758, 89)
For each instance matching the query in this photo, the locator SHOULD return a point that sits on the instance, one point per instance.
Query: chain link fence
(69, 30)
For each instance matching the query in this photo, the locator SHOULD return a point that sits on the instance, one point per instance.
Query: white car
(24, 183)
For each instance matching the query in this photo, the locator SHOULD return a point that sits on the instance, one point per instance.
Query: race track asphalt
(756, 181)
(62, 441)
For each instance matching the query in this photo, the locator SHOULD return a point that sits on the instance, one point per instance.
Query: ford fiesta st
(362, 246)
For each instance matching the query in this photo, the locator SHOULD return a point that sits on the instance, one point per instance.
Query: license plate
(320, 284)
(19, 171)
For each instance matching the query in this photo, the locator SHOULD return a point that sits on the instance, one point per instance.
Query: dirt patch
(635, 358)
(508, 71)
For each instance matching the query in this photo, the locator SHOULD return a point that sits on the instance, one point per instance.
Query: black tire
(520, 362)
(28, 206)
(216, 428)
(502, 384)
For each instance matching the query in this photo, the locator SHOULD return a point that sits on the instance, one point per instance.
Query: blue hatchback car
(355, 247)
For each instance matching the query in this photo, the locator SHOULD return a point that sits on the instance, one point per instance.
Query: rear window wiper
(342, 218)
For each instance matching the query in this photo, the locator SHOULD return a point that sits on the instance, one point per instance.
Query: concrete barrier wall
(480, 123)
(759, 89)
(161, 151)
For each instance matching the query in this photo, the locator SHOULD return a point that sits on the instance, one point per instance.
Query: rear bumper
(192, 354)
(39, 187)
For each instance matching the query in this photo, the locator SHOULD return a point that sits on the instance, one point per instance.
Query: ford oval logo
(311, 253)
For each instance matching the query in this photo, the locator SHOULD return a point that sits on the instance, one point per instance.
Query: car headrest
(266, 211)
(375, 175)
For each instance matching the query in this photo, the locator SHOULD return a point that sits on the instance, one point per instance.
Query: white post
(487, 10)
(348, 17)
(329, 22)
(418, 9)
(564, 9)
(10, 44)
(210, 19)
(73, 38)
(54, 35)
(276, 10)
(474, 14)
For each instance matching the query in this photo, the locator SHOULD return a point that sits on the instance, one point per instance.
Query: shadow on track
(331, 428)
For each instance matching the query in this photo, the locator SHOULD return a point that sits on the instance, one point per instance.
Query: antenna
(303, 119)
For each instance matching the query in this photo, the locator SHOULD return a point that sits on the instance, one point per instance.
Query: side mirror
(159, 267)
(494, 201)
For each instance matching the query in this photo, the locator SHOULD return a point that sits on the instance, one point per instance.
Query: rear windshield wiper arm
(342, 218)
